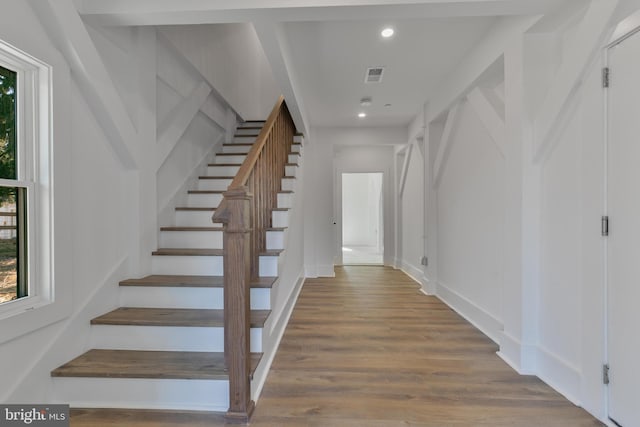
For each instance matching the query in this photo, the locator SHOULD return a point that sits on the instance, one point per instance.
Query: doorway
(623, 242)
(362, 219)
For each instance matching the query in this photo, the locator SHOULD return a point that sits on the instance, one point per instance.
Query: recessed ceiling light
(362, 115)
(387, 32)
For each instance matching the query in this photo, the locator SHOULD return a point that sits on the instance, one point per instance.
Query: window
(26, 205)
(14, 282)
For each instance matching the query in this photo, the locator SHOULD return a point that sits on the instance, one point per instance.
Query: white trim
(445, 143)
(405, 168)
(559, 374)
(493, 121)
(476, 315)
(281, 325)
(170, 131)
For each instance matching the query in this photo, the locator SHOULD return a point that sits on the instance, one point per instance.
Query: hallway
(368, 349)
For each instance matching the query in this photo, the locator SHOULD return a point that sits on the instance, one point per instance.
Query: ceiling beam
(277, 51)
(171, 12)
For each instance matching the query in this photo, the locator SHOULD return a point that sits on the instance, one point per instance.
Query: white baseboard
(417, 274)
(559, 374)
(477, 316)
(279, 326)
(315, 271)
(521, 357)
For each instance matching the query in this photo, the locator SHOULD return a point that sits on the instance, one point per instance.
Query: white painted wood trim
(490, 117)
(67, 30)
(171, 130)
(445, 144)
(591, 34)
(405, 169)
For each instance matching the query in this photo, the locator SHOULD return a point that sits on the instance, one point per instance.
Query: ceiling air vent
(374, 75)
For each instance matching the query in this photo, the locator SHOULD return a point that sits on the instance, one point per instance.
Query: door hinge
(605, 374)
(605, 225)
(606, 77)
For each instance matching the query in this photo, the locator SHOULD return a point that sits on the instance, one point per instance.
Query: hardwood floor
(368, 349)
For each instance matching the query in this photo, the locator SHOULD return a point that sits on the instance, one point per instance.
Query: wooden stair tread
(250, 127)
(286, 192)
(176, 281)
(224, 164)
(158, 280)
(189, 365)
(191, 228)
(137, 316)
(186, 208)
(206, 191)
(298, 134)
(215, 177)
(272, 252)
(232, 154)
(292, 164)
(254, 121)
(280, 209)
(188, 252)
(289, 177)
(239, 144)
(275, 229)
(241, 135)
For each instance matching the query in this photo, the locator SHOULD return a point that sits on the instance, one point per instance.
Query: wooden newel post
(235, 214)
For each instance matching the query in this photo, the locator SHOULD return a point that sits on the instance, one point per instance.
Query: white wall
(470, 214)
(243, 77)
(330, 152)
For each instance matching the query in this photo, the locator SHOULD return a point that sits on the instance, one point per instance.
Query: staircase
(163, 348)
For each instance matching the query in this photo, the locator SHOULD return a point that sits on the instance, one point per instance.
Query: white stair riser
(243, 149)
(280, 219)
(204, 395)
(298, 138)
(203, 200)
(291, 170)
(288, 184)
(285, 200)
(222, 170)
(185, 297)
(164, 338)
(241, 139)
(293, 158)
(187, 265)
(243, 131)
(275, 240)
(191, 239)
(194, 218)
(268, 266)
(230, 159)
(296, 148)
(214, 184)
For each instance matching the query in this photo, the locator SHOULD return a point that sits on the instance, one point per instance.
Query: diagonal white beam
(405, 169)
(65, 27)
(490, 114)
(170, 131)
(590, 35)
(277, 51)
(445, 144)
(171, 12)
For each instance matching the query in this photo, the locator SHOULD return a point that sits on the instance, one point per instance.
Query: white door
(623, 185)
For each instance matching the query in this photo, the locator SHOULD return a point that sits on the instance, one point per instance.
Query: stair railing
(245, 213)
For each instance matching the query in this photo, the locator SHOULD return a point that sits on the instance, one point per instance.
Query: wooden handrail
(252, 157)
(245, 212)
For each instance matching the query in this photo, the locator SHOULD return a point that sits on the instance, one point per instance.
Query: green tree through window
(10, 215)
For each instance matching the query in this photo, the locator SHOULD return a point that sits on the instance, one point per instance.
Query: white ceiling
(318, 49)
(330, 60)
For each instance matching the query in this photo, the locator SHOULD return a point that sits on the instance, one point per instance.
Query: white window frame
(34, 172)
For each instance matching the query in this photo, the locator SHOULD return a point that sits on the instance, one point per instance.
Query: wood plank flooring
(368, 349)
